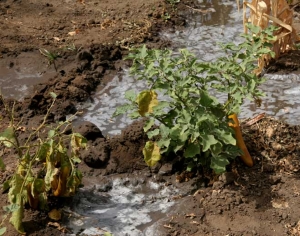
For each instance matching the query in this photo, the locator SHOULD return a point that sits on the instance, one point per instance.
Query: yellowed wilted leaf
(56, 39)
(146, 100)
(151, 153)
(55, 214)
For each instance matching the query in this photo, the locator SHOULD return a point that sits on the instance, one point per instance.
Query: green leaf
(2, 230)
(123, 109)
(148, 124)
(153, 133)
(51, 133)
(7, 137)
(16, 183)
(163, 143)
(43, 152)
(17, 216)
(219, 163)
(130, 95)
(143, 52)
(208, 141)
(151, 153)
(192, 150)
(226, 137)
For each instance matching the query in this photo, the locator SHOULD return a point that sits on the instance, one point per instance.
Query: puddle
(119, 205)
(18, 75)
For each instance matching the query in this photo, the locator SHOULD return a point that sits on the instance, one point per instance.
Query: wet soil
(90, 39)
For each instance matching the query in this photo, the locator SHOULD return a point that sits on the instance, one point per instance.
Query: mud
(90, 39)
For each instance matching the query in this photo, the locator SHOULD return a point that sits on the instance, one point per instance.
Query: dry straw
(276, 12)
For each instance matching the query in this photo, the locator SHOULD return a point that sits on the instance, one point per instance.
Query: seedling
(51, 57)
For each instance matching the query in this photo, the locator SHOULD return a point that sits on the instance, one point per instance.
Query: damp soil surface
(90, 39)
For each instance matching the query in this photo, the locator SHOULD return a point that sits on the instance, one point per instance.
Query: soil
(91, 39)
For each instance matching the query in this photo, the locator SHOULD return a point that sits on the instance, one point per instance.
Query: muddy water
(124, 206)
(18, 75)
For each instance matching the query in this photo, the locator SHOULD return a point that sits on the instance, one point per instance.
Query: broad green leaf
(164, 131)
(17, 216)
(218, 164)
(192, 150)
(153, 133)
(143, 51)
(163, 143)
(208, 141)
(226, 137)
(130, 95)
(146, 100)
(175, 132)
(148, 124)
(151, 153)
(2, 165)
(7, 137)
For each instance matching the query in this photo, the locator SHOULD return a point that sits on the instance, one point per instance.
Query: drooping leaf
(7, 137)
(146, 100)
(17, 216)
(151, 153)
(16, 183)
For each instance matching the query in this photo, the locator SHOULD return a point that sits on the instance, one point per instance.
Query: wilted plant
(182, 102)
(45, 165)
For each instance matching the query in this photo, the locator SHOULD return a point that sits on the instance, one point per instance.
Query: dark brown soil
(262, 200)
